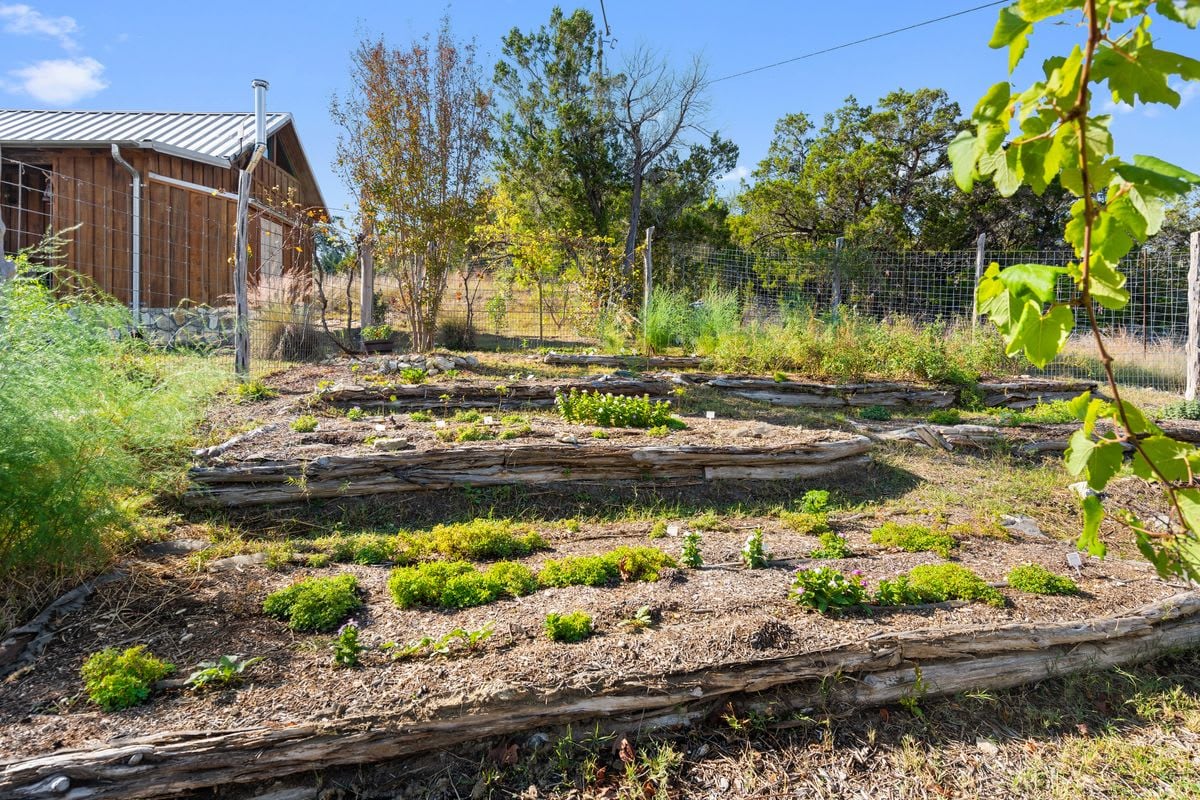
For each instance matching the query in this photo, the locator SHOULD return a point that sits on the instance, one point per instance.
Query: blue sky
(201, 56)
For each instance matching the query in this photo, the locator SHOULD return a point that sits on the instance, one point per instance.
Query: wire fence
(171, 262)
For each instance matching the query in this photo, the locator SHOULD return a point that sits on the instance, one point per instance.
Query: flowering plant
(826, 589)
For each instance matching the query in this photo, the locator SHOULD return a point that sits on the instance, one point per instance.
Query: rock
(237, 562)
(1025, 526)
(441, 362)
(392, 444)
(986, 747)
(471, 361)
(391, 365)
(176, 547)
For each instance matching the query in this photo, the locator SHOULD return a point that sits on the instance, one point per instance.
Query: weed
(944, 416)
(421, 416)
(318, 560)
(690, 555)
(658, 431)
(1057, 412)
(875, 413)
(913, 538)
(658, 530)
(468, 415)
(571, 627)
(642, 619)
(825, 589)
(468, 640)
(1184, 409)
(346, 647)
(305, 423)
(708, 521)
(413, 375)
(225, 671)
(780, 377)
(473, 433)
(937, 583)
(315, 604)
(805, 522)
(832, 545)
(1036, 579)
(254, 391)
(615, 411)
(572, 526)
(115, 680)
(754, 553)
(278, 555)
(599, 434)
(355, 414)
(484, 539)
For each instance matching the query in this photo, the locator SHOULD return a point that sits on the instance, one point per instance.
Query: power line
(860, 41)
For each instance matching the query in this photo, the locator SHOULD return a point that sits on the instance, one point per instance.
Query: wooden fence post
(241, 330)
(835, 295)
(980, 249)
(366, 255)
(647, 287)
(1193, 334)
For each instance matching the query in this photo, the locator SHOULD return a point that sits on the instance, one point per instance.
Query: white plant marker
(380, 427)
(441, 423)
(1074, 560)
(489, 420)
(710, 415)
(672, 530)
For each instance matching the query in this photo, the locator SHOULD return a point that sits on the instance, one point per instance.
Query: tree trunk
(635, 216)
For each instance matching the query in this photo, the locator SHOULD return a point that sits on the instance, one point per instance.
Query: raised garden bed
(492, 395)
(727, 640)
(626, 362)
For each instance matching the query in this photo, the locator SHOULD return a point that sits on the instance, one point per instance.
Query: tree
(655, 104)
(416, 133)
(679, 199)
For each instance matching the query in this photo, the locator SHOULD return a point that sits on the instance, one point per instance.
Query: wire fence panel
(172, 263)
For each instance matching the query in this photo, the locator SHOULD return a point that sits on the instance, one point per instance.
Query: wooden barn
(77, 169)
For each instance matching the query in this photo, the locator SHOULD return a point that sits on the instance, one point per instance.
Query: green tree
(1048, 132)
(416, 134)
(680, 200)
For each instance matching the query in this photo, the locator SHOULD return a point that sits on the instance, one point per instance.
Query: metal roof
(214, 137)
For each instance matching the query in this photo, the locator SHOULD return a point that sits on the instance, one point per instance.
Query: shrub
(573, 627)
(876, 413)
(615, 411)
(413, 375)
(691, 551)
(639, 563)
(422, 584)
(89, 422)
(485, 539)
(913, 538)
(377, 333)
(225, 671)
(944, 416)
(458, 584)
(578, 571)
(754, 553)
(115, 680)
(937, 583)
(825, 589)
(805, 522)
(832, 545)
(1036, 579)
(456, 334)
(305, 423)
(254, 391)
(315, 604)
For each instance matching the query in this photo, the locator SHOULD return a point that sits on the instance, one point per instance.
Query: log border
(884, 668)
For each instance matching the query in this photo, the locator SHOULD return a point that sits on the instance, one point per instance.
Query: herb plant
(305, 423)
(913, 538)
(826, 590)
(346, 648)
(832, 545)
(754, 553)
(115, 680)
(937, 583)
(225, 671)
(315, 604)
(690, 556)
(1036, 579)
(572, 627)
(615, 411)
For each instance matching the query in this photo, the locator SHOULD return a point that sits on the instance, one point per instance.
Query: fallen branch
(207, 453)
(883, 669)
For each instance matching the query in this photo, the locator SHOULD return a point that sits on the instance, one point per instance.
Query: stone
(175, 547)
(441, 362)
(1025, 526)
(180, 316)
(237, 562)
(471, 361)
(392, 444)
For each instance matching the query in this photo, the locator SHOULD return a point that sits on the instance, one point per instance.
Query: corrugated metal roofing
(207, 135)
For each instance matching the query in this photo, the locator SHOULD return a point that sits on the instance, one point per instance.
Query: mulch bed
(709, 617)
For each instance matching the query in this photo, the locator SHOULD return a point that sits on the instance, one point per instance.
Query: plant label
(441, 423)
(710, 415)
(489, 421)
(672, 530)
(1074, 560)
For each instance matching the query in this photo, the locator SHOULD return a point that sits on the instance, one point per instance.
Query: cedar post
(980, 247)
(366, 255)
(647, 286)
(835, 295)
(1193, 334)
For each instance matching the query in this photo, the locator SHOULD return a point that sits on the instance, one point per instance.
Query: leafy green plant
(458, 584)
(413, 375)
(315, 604)
(826, 590)
(615, 411)
(658, 431)
(815, 501)
(485, 539)
(805, 522)
(377, 333)
(937, 583)
(346, 647)
(1120, 203)
(421, 416)
(115, 680)
(944, 416)
(599, 434)
(642, 619)
(708, 521)
(913, 538)
(1057, 412)
(691, 557)
(639, 563)
(305, 423)
(754, 553)
(1184, 409)
(225, 671)
(457, 640)
(578, 571)
(832, 545)
(658, 530)
(875, 413)
(355, 414)
(467, 415)
(1036, 579)
(571, 627)
(254, 391)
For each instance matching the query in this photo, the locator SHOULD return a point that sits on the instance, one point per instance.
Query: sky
(175, 56)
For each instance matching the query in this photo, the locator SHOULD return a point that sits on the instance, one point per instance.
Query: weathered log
(882, 669)
(460, 395)
(375, 473)
(1026, 391)
(216, 450)
(628, 362)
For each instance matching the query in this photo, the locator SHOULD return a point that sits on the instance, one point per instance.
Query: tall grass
(90, 421)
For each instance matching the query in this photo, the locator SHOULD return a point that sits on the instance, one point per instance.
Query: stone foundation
(188, 326)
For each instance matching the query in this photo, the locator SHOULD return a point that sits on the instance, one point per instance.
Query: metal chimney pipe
(260, 112)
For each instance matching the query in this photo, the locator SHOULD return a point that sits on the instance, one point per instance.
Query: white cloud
(59, 82)
(24, 20)
(735, 175)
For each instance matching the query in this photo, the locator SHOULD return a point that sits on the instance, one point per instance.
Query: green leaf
(1156, 177)
(1189, 505)
(1013, 32)
(1032, 279)
(1079, 407)
(1168, 455)
(1089, 540)
(1105, 462)
(1139, 425)
(1187, 11)
(993, 105)
(1079, 450)
(963, 155)
(1106, 285)
(1038, 10)
(1042, 336)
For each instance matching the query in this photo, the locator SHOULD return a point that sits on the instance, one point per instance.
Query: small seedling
(691, 557)
(641, 620)
(225, 671)
(421, 416)
(355, 413)
(346, 647)
(754, 552)
(305, 423)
